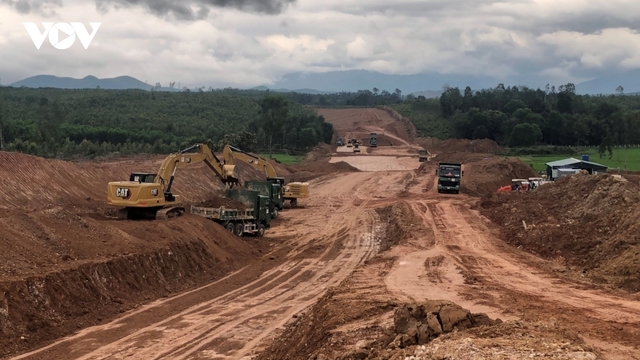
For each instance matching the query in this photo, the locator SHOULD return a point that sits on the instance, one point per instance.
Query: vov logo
(71, 30)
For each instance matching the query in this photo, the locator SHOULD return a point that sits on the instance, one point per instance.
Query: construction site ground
(358, 271)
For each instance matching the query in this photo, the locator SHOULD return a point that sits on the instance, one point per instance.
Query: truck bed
(223, 213)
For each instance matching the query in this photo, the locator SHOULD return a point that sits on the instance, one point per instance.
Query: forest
(93, 122)
(524, 117)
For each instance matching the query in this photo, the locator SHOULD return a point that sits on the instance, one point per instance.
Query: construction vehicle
(373, 140)
(516, 184)
(423, 155)
(356, 148)
(149, 196)
(449, 176)
(340, 142)
(349, 143)
(253, 219)
(290, 192)
(272, 191)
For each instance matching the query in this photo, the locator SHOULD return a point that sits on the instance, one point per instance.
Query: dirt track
(451, 253)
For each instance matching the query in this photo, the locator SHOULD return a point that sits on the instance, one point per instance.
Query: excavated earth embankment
(587, 222)
(66, 263)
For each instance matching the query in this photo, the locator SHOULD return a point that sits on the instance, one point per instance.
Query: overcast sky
(252, 42)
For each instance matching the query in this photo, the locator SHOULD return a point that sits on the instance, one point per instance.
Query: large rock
(417, 324)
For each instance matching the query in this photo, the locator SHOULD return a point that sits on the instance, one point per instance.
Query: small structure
(570, 166)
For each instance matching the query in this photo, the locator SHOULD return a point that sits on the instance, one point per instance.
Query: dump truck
(423, 155)
(252, 219)
(273, 191)
(449, 175)
(290, 192)
(373, 140)
(356, 148)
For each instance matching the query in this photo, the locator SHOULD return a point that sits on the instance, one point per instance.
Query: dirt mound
(321, 151)
(484, 177)
(509, 340)
(417, 324)
(401, 224)
(33, 182)
(217, 202)
(460, 145)
(587, 222)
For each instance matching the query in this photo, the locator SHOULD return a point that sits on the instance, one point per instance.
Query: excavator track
(169, 213)
(123, 214)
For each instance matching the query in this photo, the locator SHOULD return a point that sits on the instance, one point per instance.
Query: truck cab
(423, 155)
(449, 175)
(270, 189)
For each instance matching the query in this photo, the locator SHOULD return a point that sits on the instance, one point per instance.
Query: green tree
(525, 135)
(514, 105)
(2, 125)
(480, 132)
(308, 137)
(273, 114)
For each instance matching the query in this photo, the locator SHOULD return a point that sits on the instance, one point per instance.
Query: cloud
(254, 42)
(37, 6)
(196, 9)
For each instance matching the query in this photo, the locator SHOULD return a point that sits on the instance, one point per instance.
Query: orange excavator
(516, 184)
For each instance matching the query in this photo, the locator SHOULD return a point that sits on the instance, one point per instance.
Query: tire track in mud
(483, 275)
(232, 324)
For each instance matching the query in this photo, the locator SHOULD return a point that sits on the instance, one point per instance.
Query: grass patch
(623, 159)
(285, 158)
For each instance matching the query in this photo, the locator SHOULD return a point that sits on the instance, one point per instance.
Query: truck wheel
(230, 227)
(239, 229)
(275, 213)
(260, 232)
(293, 202)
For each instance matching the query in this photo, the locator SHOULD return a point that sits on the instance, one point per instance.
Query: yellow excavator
(149, 196)
(291, 191)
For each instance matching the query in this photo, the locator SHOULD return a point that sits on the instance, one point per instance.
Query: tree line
(94, 122)
(521, 116)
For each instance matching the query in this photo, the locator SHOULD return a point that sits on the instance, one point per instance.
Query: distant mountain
(88, 82)
(629, 80)
(354, 80)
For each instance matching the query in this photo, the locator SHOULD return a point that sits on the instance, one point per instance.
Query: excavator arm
(292, 191)
(230, 154)
(196, 153)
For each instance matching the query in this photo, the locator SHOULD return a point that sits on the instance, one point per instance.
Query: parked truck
(423, 155)
(270, 189)
(340, 142)
(373, 140)
(449, 175)
(252, 219)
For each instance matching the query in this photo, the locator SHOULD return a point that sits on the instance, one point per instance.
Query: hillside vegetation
(524, 117)
(93, 122)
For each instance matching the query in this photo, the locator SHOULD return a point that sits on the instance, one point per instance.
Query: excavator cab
(142, 178)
